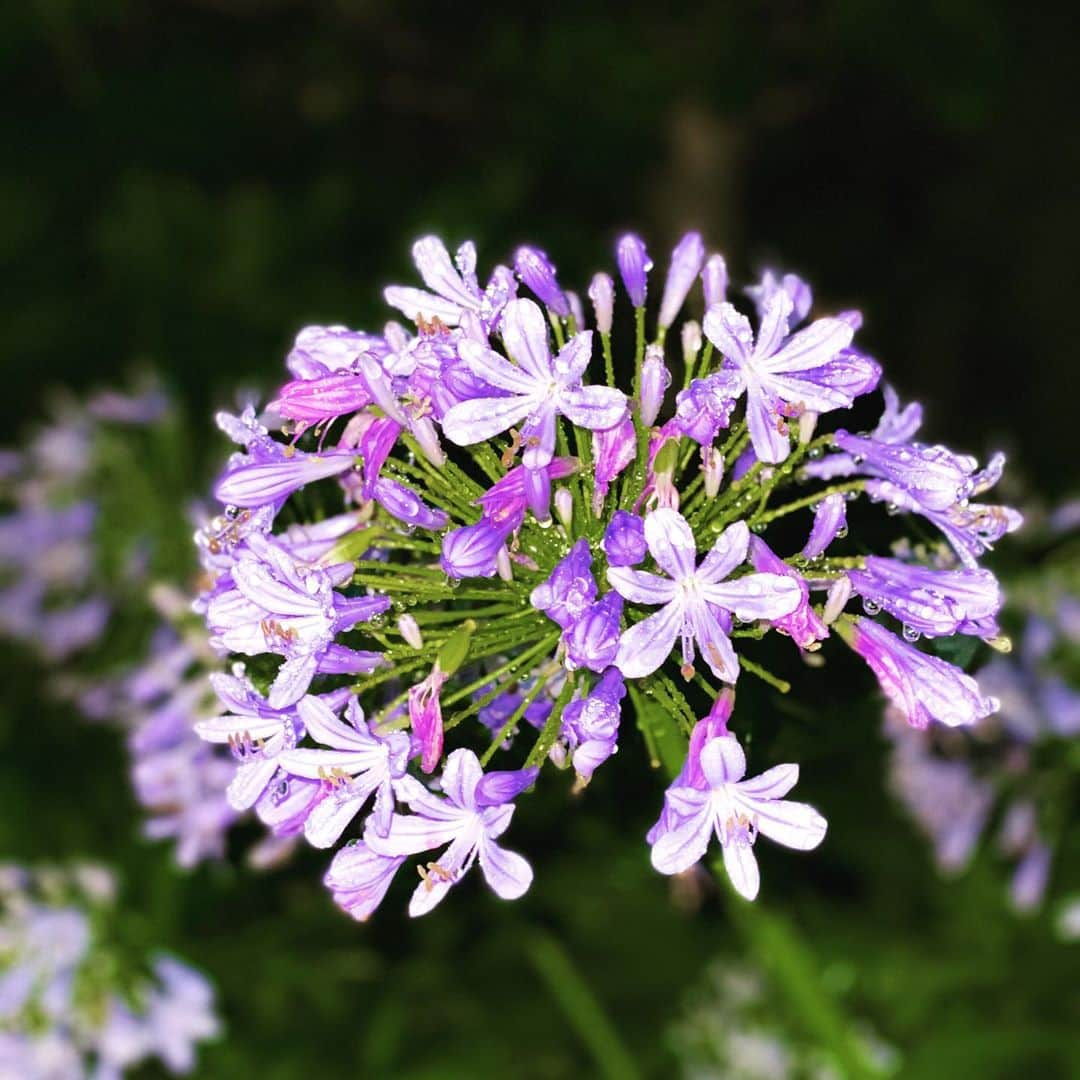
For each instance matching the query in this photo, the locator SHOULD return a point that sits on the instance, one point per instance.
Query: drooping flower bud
(538, 493)
(613, 450)
(634, 266)
(602, 295)
(686, 262)
(655, 379)
(593, 640)
(537, 271)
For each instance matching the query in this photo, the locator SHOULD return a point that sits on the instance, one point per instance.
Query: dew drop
(841, 532)
(858, 459)
(911, 634)
(870, 606)
(815, 452)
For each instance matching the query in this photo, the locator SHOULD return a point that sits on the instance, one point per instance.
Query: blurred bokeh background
(186, 184)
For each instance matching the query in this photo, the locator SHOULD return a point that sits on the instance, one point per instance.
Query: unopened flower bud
(537, 271)
(712, 465)
(836, 601)
(564, 507)
(686, 262)
(538, 493)
(691, 340)
(807, 425)
(602, 295)
(409, 629)
(576, 310)
(503, 566)
(714, 280)
(634, 266)
(655, 379)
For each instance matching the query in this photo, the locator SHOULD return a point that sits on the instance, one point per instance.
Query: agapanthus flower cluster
(493, 516)
(77, 560)
(74, 1001)
(1014, 773)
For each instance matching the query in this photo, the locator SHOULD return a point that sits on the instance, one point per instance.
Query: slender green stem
(809, 500)
(766, 676)
(583, 1011)
(609, 360)
(550, 733)
(512, 722)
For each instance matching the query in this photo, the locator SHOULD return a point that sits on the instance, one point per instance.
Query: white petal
(671, 542)
(479, 419)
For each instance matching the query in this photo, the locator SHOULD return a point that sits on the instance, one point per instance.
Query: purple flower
(256, 483)
(602, 295)
(473, 550)
(797, 291)
(278, 605)
(937, 603)
(570, 590)
(592, 641)
(613, 450)
(830, 521)
(313, 401)
(705, 406)
(922, 687)
(933, 476)
(475, 812)
(454, 292)
(537, 271)
(780, 372)
(686, 262)
(287, 803)
(539, 388)
(803, 624)
(590, 725)
(328, 350)
(655, 379)
(353, 762)
(425, 716)
(946, 799)
(624, 540)
(634, 266)
(359, 879)
(405, 505)
(255, 733)
(736, 810)
(694, 598)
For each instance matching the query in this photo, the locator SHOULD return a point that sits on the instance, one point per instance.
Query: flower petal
(292, 681)
(774, 783)
(723, 761)
(525, 335)
(474, 421)
(598, 408)
(793, 824)
(671, 542)
(495, 370)
(641, 587)
(647, 644)
(756, 596)
(812, 347)
(728, 551)
(418, 304)
(742, 868)
(324, 727)
(770, 443)
(713, 641)
(538, 436)
(729, 331)
(508, 874)
(678, 848)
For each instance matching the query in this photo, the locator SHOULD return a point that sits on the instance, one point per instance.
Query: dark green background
(184, 185)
